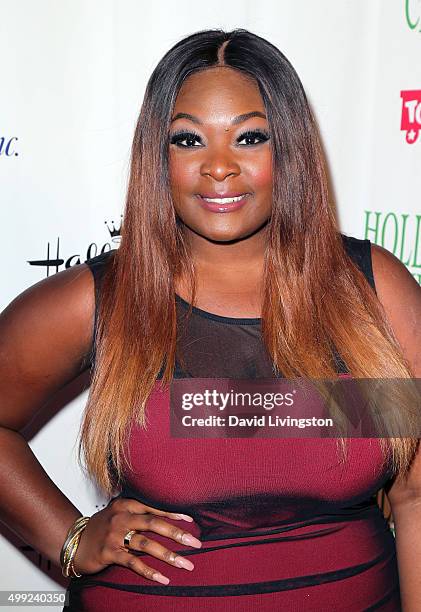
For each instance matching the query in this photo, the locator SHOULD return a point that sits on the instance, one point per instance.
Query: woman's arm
(400, 295)
(45, 334)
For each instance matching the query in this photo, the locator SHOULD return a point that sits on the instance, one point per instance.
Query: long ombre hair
(314, 294)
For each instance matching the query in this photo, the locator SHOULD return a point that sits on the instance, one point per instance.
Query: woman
(227, 209)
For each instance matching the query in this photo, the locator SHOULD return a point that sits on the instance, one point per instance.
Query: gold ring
(128, 537)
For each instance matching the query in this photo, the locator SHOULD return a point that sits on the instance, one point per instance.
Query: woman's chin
(223, 232)
(221, 235)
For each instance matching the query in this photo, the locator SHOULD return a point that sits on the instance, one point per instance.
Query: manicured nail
(160, 578)
(191, 540)
(185, 563)
(183, 517)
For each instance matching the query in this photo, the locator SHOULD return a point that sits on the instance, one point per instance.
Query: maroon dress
(284, 525)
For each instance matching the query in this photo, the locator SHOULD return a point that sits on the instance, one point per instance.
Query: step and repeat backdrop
(73, 74)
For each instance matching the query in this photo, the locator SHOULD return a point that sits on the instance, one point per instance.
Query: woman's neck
(228, 257)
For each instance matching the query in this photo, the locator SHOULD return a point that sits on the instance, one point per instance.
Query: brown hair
(314, 295)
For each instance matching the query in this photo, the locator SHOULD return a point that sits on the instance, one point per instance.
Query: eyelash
(181, 135)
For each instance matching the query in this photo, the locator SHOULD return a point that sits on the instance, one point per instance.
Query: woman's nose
(219, 164)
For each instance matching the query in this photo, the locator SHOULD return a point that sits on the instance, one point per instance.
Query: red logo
(411, 114)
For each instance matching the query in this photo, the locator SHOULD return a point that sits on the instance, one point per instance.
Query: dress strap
(360, 253)
(97, 266)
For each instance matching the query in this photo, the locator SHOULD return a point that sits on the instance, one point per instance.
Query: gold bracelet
(82, 520)
(69, 541)
(70, 552)
(69, 569)
(70, 546)
(70, 549)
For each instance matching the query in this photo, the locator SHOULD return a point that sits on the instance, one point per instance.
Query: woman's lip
(220, 207)
(222, 195)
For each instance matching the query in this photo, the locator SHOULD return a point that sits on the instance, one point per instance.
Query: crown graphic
(115, 232)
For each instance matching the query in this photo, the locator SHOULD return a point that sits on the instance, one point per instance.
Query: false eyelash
(252, 133)
(175, 137)
(182, 134)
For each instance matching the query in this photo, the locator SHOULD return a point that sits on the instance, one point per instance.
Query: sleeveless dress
(283, 524)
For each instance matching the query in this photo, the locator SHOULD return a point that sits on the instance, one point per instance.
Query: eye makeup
(181, 135)
(263, 135)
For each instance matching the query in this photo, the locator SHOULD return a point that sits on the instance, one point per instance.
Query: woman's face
(219, 148)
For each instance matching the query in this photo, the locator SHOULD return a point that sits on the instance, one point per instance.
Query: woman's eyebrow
(235, 121)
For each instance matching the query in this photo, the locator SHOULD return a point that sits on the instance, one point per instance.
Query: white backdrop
(73, 75)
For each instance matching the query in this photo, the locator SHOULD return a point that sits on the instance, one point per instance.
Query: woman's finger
(132, 505)
(132, 562)
(140, 542)
(123, 523)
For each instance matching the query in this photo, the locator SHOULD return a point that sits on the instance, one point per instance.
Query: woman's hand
(102, 541)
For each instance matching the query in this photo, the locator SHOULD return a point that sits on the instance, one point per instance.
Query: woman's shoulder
(397, 291)
(45, 340)
(400, 296)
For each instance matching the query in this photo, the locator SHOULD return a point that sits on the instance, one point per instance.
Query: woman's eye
(185, 137)
(187, 140)
(252, 136)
